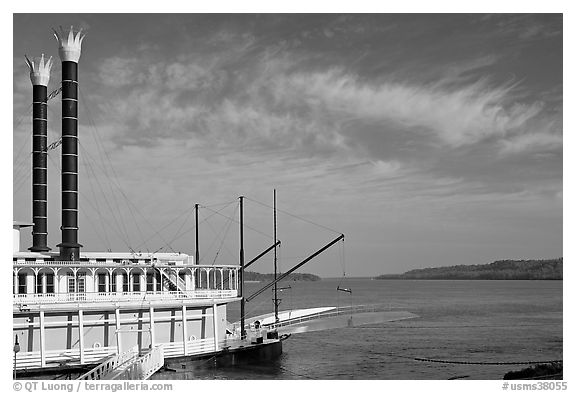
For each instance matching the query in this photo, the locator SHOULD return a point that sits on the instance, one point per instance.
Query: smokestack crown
(39, 70)
(70, 45)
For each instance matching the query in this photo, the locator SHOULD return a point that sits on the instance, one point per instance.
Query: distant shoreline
(547, 269)
(262, 277)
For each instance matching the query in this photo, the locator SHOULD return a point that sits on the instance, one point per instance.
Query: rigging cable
(237, 222)
(295, 216)
(189, 230)
(180, 228)
(224, 238)
(118, 227)
(20, 164)
(216, 236)
(103, 153)
(21, 160)
(419, 359)
(102, 219)
(97, 209)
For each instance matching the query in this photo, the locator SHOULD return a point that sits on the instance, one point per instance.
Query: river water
(458, 320)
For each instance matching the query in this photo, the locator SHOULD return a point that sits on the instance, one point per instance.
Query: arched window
(203, 279)
(212, 279)
(136, 282)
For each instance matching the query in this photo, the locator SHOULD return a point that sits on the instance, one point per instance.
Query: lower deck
(56, 339)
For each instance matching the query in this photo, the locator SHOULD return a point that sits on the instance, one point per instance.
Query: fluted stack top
(39, 70)
(70, 44)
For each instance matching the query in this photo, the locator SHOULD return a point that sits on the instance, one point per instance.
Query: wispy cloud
(531, 143)
(456, 116)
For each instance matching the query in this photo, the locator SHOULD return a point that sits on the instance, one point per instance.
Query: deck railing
(129, 263)
(141, 367)
(59, 358)
(106, 358)
(109, 365)
(90, 297)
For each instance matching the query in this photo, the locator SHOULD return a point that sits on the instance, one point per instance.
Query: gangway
(129, 365)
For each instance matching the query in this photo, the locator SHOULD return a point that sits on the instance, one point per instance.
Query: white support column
(30, 284)
(44, 283)
(81, 334)
(215, 323)
(193, 279)
(107, 282)
(15, 283)
(42, 341)
(152, 330)
(56, 280)
(118, 334)
(118, 282)
(184, 331)
(143, 282)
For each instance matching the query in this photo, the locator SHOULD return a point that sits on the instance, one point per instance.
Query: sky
(426, 139)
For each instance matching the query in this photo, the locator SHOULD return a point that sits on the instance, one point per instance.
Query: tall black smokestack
(40, 76)
(69, 50)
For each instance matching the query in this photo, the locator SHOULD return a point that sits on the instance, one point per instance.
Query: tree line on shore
(544, 269)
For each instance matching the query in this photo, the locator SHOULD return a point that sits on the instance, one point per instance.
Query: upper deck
(127, 278)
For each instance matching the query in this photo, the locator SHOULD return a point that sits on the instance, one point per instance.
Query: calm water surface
(477, 321)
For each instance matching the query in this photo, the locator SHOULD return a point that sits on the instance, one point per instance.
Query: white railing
(109, 365)
(141, 367)
(145, 366)
(55, 298)
(129, 263)
(174, 279)
(107, 361)
(55, 358)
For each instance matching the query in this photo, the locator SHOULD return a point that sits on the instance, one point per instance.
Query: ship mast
(275, 266)
(197, 247)
(241, 271)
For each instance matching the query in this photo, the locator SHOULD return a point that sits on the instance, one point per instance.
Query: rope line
(102, 218)
(96, 208)
(119, 228)
(227, 229)
(103, 153)
(205, 220)
(419, 359)
(295, 216)
(21, 159)
(237, 222)
(116, 213)
(452, 326)
(216, 236)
